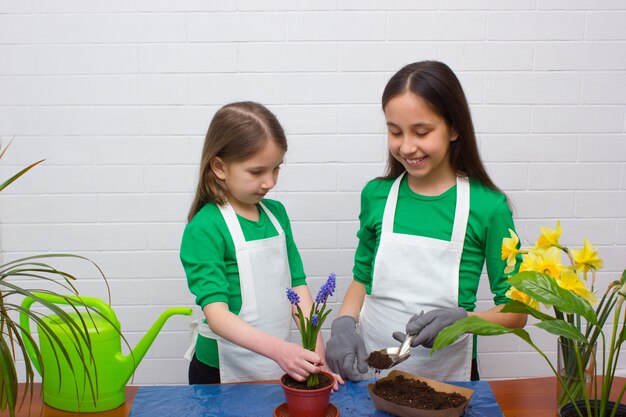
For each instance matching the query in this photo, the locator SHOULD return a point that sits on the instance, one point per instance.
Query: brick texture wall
(116, 95)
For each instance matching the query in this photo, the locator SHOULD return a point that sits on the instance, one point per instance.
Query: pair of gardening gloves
(346, 345)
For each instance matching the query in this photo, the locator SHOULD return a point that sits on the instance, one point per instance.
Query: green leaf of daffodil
(545, 289)
(477, 326)
(564, 329)
(519, 307)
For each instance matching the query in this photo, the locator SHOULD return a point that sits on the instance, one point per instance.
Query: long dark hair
(436, 84)
(236, 133)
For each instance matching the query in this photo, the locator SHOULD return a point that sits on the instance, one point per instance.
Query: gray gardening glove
(344, 347)
(428, 326)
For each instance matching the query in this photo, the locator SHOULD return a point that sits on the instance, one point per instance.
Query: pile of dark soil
(379, 360)
(416, 394)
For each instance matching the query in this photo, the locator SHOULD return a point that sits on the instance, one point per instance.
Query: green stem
(558, 377)
(602, 313)
(593, 279)
(618, 401)
(313, 380)
(582, 378)
(607, 380)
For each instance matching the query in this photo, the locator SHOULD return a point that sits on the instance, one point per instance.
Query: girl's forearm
(353, 300)
(229, 326)
(511, 320)
(306, 301)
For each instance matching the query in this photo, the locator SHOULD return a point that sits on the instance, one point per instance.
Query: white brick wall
(117, 95)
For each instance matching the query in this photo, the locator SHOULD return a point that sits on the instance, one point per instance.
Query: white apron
(415, 273)
(264, 275)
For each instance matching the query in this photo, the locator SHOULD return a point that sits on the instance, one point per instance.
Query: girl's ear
(453, 135)
(217, 166)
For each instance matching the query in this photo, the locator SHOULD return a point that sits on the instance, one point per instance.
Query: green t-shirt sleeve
(496, 228)
(202, 254)
(367, 235)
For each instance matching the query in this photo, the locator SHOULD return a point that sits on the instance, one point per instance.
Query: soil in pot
(301, 385)
(307, 402)
(568, 410)
(416, 394)
(378, 360)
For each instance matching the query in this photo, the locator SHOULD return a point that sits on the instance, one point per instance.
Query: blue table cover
(252, 400)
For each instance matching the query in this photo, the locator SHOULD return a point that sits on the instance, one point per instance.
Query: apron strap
(230, 217)
(390, 206)
(197, 327)
(277, 225)
(461, 213)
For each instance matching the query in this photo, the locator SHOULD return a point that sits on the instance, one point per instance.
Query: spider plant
(35, 270)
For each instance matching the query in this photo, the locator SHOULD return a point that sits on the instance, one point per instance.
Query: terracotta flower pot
(308, 402)
(568, 410)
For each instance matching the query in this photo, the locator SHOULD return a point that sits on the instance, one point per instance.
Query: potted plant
(312, 397)
(36, 269)
(579, 326)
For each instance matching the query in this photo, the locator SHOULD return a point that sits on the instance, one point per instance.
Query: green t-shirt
(433, 216)
(208, 255)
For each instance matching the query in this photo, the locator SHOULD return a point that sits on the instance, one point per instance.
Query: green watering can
(109, 371)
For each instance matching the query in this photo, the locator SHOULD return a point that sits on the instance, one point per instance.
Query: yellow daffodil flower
(509, 251)
(549, 237)
(547, 261)
(571, 282)
(587, 258)
(529, 262)
(515, 294)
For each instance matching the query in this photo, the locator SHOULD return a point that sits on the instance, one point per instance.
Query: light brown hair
(237, 132)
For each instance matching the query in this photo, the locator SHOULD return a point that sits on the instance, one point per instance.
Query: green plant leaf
(563, 329)
(11, 332)
(22, 262)
(2, 151)
(519, 307)
(472, 324)
(544, 289)
(19, 174)
(8, 378)
(322, 319)
(476, 325)
(300, 317)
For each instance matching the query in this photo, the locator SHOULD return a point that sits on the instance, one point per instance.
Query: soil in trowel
(378, 360)
(416, 394)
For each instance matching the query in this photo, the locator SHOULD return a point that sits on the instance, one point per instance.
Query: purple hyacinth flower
(314, 320)
(293, 297)
(327, 289)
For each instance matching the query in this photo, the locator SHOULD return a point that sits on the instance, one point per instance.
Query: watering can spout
(144, 344)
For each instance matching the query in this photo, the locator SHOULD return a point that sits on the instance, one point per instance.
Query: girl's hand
(296, 361)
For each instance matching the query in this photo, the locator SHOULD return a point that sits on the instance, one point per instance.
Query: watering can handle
(98, 304)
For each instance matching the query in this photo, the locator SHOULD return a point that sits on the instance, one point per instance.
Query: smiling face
(249, 180)
(420, 140)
